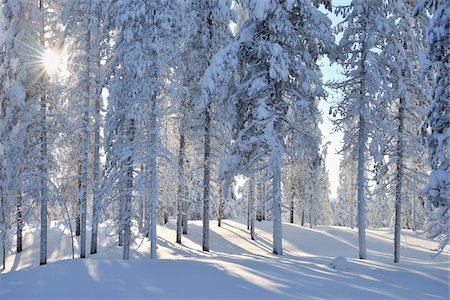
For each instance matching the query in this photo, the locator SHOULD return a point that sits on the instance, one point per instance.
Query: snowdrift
(236, 267)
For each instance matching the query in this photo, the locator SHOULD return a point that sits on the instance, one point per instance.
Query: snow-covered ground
(236, 267)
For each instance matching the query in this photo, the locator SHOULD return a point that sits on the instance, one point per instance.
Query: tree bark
(128, 197)
(360, 180)
(220, 210)
(43, 158)
(78, 207)
(153, 180)
(181, 187)
(277, 225)
(249, 212)
(291, 217)
(251, 196)
(2, 228)
(43, 192)
(96, 168)
(399, 182)
(85, 161)
(276, 163)
(206, 178)
(19, 220)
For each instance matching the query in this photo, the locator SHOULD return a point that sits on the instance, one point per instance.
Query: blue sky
(331, 72)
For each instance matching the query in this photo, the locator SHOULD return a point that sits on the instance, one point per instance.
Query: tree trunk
(251, 199)
(352, 213)
(181, 187)
(303, 217)
(19, 222)
(399, 182)
(84, 165)
(121, 218)
(43, 158)
(360, 181)
(2, 228)
(310, 211)
(291, 218)
(277, 225)
(128, 197)
(78, 208)
(43, 192)
(185, 214)
(220, 210)
(206, 178)
(153, 180)
(141, 209)
(96, 169)
(249, 214)
(413, 212)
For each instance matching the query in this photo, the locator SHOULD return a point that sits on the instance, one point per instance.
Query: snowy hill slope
(236, 267)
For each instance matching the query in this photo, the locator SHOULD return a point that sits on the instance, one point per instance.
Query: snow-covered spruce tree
(141, 66)
(276, 77)
(402, 104)
(325, 213)
(302, 143)
(14, 76)
(364, 22)
(437, 127)
(346, 206)
(207, 23)
(43, 155)
(290, 188)
(211, 32)
(83, 27)
(26, 99)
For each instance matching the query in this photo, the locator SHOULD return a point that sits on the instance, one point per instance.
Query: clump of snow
(339, 263)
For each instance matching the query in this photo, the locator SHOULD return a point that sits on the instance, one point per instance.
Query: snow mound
(339, 263)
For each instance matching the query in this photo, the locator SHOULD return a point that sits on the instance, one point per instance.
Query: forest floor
(235, 268)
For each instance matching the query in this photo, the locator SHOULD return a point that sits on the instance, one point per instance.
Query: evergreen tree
(437, 128)
(358, 110)
(277, 78)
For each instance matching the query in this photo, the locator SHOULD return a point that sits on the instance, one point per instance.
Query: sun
(53, 62)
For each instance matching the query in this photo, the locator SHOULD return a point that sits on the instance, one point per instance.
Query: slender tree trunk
(122, 216)
(360, 181)
(399, 182)
(310, 211)
(128, 197)
(96, 170)
(248, 213)
(277, 225)
(85, 160)
(413, 212)
(78, 208)
(276, 164)
(141, 217)
(147, 204)
(141, 209)
(19, 222)
(3, 228)
(43, 159)
(185, 212)
(303, 217)
(180, 187)
(352, 213)
(251, 199)
(291, 218)
(153, 181)
(43, 170)
(206, 178)
(220, 212)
